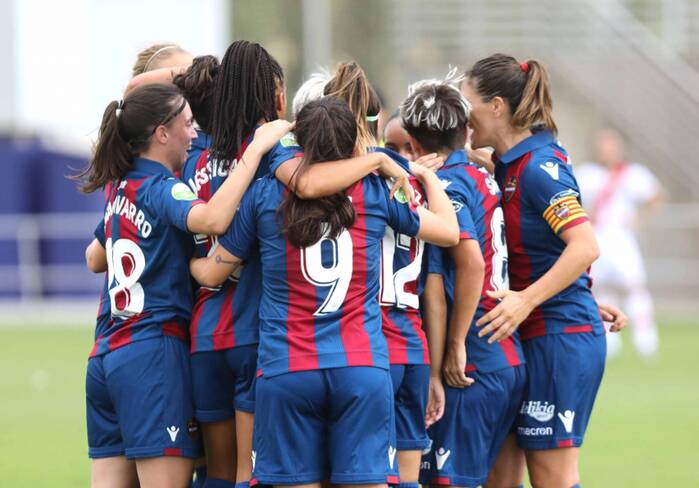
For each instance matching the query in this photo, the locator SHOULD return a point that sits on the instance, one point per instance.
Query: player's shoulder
(549, 163)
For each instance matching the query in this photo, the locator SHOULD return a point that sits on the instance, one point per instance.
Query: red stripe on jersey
(177, 330)
(566, 443)
(510, 351)
(470, 368)
(577, 329)
(172, 451)
(352, 332)
(300, 334)
(202, 296)
(416, 320)
(95, 347)
(533, 326)
(392, 479)
(253, 482)
(397, 353)
(561, 156)
(224, 332)
(127, 230)
(441, 480)
(573, 223)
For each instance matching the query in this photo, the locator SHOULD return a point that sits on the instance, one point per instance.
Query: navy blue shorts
(328, 424)
(139, 401)
(411, 383)
(564, 372)
(467, 439)
(224, 381)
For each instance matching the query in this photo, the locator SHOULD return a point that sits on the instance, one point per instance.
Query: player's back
(148, 251)
(476, 199)
(319, 304)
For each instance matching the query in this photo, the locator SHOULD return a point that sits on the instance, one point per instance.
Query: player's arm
(214, 217)
(468, 284)
(96, 257)
(580, 252)
(438, 225)
(331, 177)
(213, 270)
(160, 75)
(434, 321)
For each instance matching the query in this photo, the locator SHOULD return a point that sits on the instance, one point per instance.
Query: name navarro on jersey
(213, 168)
(122, 206)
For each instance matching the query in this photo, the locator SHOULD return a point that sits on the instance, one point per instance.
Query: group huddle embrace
(340, 299)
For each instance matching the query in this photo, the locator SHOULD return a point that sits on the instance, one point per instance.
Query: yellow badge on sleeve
(564, 213)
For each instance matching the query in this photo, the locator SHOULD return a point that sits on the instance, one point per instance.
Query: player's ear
(280, 101)
(160, 134)
(499, 107)
(415, 147)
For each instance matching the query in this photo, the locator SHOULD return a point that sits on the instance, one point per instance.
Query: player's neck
(159, 157)
(509, 138)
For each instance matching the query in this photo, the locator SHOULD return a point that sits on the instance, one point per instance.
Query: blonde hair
(350, 84)
(146, 59)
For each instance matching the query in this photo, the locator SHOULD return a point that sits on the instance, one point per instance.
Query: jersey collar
(457, 157)
(203, 140)
(150, 167)
(535, 141)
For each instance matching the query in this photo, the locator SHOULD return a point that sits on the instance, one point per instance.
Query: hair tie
(120, 107)
(152, 57)
(524, 67)
(372, 118)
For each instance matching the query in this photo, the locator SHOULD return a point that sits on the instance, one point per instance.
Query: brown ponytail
(126, 130)
(327, 131)
(351, 85)
(525, 87)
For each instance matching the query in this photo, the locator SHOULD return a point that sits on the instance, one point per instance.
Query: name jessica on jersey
(122, 206)
(206, 173)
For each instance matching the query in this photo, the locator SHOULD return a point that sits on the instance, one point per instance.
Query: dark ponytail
(197, 85)
(126, 130)
(245, 94)
(525, 87)
(327, 131)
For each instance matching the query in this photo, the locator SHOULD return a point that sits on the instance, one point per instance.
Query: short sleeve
(287, 148)
(241, 236)
(434, 259)
(644, 185)
(100, 234)
(550, 188)
(401, 216)
(462, 202)
(176, 200)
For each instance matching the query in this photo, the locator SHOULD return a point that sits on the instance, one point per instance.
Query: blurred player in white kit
(619, 196)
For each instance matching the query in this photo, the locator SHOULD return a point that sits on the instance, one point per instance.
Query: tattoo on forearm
(220, 260)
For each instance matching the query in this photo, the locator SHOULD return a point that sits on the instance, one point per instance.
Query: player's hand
(268, 134)
(482, 157)
(612, 314)
(432, 161)
(454, 366)
(401, 179)
(504, 319)
(435, 401)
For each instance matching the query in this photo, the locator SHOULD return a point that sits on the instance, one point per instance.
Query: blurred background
(632, 65)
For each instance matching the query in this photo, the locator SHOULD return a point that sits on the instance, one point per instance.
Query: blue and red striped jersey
(476, 199)
(226, 316)
(319, 305)
(401, 266)
(148, 250)
(541, 199)
(104, 311)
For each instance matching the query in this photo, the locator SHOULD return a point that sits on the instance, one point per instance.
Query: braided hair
(245, 94)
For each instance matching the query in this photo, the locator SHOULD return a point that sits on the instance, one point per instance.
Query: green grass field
(644, 431)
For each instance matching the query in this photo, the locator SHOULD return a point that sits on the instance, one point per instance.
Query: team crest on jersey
(289, 140)
(510, 188)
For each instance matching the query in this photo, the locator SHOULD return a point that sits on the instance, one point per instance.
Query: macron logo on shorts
(173, 431)
(567, 420)
(442, 455)
(391, 455)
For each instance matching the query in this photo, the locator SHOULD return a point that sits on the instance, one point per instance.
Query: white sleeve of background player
(643, 184)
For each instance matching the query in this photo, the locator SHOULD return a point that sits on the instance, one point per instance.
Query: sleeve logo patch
(562, 194)
(289, 140)
(551, 168)
(400, 196)
(457, 206)
(180, 191)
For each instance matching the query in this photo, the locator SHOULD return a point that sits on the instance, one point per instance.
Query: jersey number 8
(125, 263)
